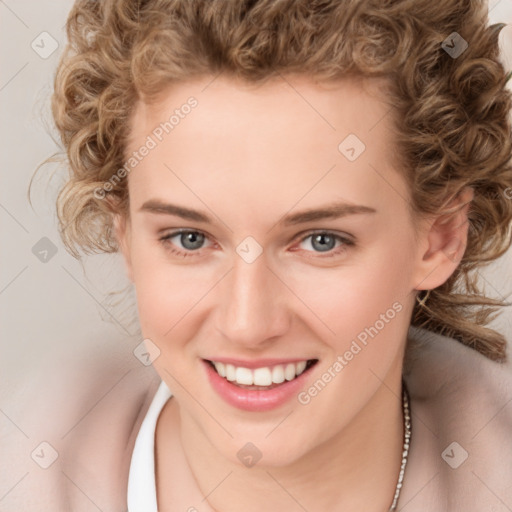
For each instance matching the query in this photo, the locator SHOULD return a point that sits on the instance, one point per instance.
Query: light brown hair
(451, 113)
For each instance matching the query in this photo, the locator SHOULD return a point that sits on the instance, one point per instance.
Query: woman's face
(249, 284)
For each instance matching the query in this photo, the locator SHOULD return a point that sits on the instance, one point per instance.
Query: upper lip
(257, 363)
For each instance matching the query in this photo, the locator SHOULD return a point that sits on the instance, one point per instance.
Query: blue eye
(192, 242)
(325, 242)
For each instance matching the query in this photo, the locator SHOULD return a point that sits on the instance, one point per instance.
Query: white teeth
(278, 374)
(289, 371)
(230, 372)
(264, 376)
(300, 367)
(221, 369)
(244, 376)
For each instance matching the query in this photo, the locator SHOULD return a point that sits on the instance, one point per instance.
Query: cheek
(168, 294)
(352, 296)
(377, 304)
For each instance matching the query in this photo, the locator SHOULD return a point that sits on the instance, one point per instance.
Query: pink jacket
(460, 456)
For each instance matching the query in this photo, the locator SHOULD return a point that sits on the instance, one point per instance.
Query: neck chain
(407, 438)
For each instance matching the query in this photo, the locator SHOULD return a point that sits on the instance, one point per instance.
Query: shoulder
(461, 412)
(99, 449)
(72, 432)
(440, 367)
(72, 435)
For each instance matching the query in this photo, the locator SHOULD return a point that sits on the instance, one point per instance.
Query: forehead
(291, 135)
(331, 107)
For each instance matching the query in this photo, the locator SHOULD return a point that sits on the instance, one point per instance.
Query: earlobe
(122, 231)
(444, 243)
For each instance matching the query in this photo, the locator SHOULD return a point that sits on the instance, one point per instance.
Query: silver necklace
(407, 439)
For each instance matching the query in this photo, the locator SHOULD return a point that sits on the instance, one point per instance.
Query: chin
(263, 451)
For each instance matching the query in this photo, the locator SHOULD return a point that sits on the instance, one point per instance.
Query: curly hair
(450, 112)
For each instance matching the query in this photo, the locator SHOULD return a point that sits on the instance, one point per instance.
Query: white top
(141, 479)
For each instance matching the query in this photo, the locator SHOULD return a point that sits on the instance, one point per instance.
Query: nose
(253, 310)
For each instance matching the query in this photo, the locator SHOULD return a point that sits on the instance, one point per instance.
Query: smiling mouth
(264, 378)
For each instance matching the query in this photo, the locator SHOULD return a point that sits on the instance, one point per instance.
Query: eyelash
(346, 242)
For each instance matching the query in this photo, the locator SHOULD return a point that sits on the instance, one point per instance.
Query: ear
(122, 231)
(443, 243)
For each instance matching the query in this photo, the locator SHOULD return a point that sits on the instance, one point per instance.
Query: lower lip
(255, 399)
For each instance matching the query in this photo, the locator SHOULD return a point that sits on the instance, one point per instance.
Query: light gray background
(53, 314)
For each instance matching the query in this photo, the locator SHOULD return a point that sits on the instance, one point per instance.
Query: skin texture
(247, 155)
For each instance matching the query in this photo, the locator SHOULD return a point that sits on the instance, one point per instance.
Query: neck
(355, 470)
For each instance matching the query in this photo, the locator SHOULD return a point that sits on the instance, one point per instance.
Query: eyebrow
(330, 211)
